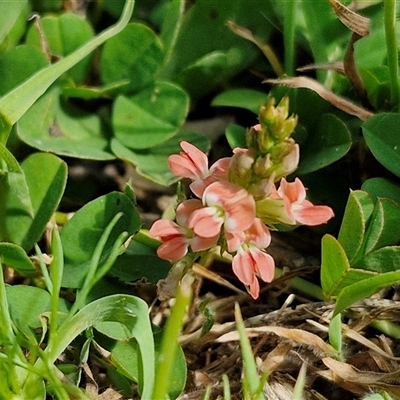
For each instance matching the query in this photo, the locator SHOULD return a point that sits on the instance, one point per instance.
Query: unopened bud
(251, 136)
(288, 163)
(262, 166)
(276, 121)
(262, 188)
(240, 167)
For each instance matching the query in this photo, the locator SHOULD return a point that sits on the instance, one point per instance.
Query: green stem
(169, 345)
(391, 49)
(302, 286)
(56, 273)
(288, 36)
(389, 328)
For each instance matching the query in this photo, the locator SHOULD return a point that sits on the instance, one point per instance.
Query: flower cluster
(237, 201)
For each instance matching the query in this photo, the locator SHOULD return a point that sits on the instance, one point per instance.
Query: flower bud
(263, 188)
(241, 167)
(262, 166)
(288, 163)
(251, 136)
(275, 120)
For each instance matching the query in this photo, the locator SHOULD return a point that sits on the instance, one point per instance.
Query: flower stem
(288, 36)
(391, 49)
(302, 286)
(169, 345)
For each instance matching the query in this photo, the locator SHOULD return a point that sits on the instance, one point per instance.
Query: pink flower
(300, 209)
(288, 205)
(192, 163)
(227, 205)
(177, 237)
(258, 234)
(251, 262)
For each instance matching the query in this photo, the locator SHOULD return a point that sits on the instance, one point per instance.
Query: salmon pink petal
(164, 229)
(200, 243)
(294, 191)
(199, 185)
(234, 240)
(182, 167)
(242, 266)
(218, 171)
(222, 192)
(206, 222)
(185, 210)
(259, 234)
(174, 249)
(264, 264)
(240, 216)
(289, 209)
(308, 214)
(220, 168)
(236, 202)
(197, 156)
(192, 163)
(254, 289)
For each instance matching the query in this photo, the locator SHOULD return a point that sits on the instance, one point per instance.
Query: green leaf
(381, 134)
(15, 257)
(19, 64)
(377, 85)
(18, 101)
(9, 13)
(383, 226)
(152, 163)
(210, 68)
(204, 31)
(171, 25)
(323, 30)
(330, 141)
(140, 262)
(53, 125)
(363, 56)
(135, 54)
(129, 311)
(151, 117)
(46, 177)
(16, 180)
(236, 136)
(244, 98)
(90, 92)
(382, 188)
(82, 232)
(386, 259)
(125, 356)
(64, 34)
(27, 303)
(363, 289)
(336, 273)
(357, 213)
(335, 333)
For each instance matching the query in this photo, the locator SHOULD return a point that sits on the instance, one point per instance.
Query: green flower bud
(262, 166)
(276, 121)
